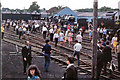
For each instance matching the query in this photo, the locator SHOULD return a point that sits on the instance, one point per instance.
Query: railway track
(85, 47)
(86, 66)
(37, 49)
(70, 51)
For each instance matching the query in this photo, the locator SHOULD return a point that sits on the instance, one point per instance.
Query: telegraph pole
(94, 56)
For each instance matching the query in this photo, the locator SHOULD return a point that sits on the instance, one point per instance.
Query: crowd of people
(55, 31)
(62, 33)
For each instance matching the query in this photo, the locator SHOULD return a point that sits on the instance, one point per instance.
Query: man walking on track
(26, 53)
(44, 32)
(47, 52)
(77, 48)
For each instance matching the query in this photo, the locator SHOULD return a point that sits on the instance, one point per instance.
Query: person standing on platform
(51, 31)
(71, 71)
(79, 38)
(77, 48)
(44, 29)
(118, 52)
(56, 36)
(2, 30)
(47, 52)
(107, 56)
(26, 53)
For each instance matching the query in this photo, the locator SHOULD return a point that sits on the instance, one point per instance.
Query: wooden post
(94, 56)
(0, 44)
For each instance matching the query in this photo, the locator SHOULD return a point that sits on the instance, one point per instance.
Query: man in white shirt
(55, 37)
(51, 31)
(14, 25)
(55, 27)
(26, 26)
(37, 27)
(16, 28)
(79, 38)
(77, 48)
(44, 29)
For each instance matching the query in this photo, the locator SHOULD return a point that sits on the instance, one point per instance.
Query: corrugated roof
(60, 10)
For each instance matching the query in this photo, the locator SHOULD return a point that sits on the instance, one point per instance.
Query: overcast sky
(73, 4)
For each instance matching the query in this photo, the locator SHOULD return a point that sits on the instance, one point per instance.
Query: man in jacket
(107, 55)
(100, 61)
(71, 71)
(26, 53)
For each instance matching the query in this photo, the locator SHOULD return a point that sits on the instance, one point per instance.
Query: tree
(34, 7)
(59, 7)
(102, 9)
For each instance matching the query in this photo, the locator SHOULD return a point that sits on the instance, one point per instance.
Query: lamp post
(94, 56)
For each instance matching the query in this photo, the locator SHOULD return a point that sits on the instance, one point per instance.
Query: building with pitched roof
(65, 11)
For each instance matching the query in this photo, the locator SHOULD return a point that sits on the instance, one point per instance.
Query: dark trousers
(14, 28)
(99, 69)
(44, 34)
(16, 31)
(25, 64)
(51, 36)
(20, 34)
(2, 35)
(101, 35)
(82, 33)
(105, 66)
(56, 41)
(118, 61)
(78, 56)
(47, 61)
(104, 35)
